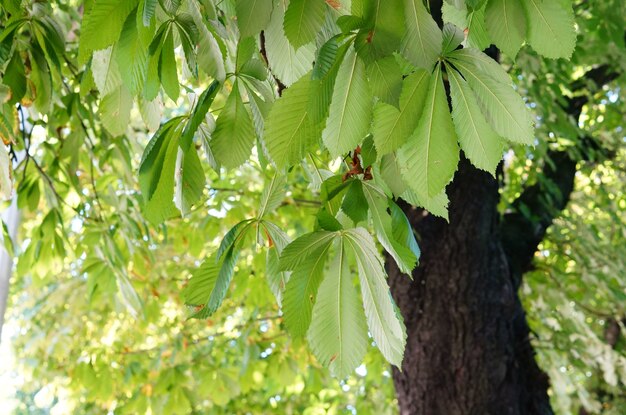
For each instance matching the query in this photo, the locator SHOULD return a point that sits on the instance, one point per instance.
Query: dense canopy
(208, 192)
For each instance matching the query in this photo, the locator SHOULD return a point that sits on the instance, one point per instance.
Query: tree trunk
(468, 350)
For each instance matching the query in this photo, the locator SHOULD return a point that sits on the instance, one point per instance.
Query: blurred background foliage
(96, 321)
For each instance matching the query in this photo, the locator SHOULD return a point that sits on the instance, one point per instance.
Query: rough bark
(468, 349)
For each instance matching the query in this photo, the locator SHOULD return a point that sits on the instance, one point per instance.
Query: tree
(341, 117)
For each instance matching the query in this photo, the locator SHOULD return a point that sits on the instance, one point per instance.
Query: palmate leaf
(506, 24)
(479, 142)
(301, 290)
(503, 108)
(550, 28)
(422, 42)
(350, 107)
(430, 157)
(338, 333)
(303, 20)
(289, 130)
(287, 63)
(233, 137)
(401, 253)
(252, 16)
(102, 25)
(384, 323)
(392, 127)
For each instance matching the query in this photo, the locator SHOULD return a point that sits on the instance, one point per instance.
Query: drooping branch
(532, 213)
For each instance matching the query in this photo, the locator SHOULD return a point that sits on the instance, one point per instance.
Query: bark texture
(468, 349)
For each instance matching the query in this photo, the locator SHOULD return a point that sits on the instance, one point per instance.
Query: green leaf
(437, 205)
(276, 278)
(149, 8)
(431, 155)
(392, 127)
(384, 323)
(481, 62)
(354, 204)
(115, 110)
(252, 16)
(350, 108)
(132, 56)
(272, 196)
(338, 334)
(503, 108)
(390, 175)
(208, 284)
(550, 28)
(303, 20)
(233, 137)
(188, 36)
(324, 83)
(402, 254)
(102, 25)
(189, 180)
(210, 59)
(232, 236)
(151, 113)
(6, 188)
(301, 290)
(289, 130)
(472, 21)
(156, 172)
(198, 115)
(7, 241)
(423, 39)
(383, 31)
(326, 57)
(477, 36)
(479, 142)
(385, 79)
(452, 38)
(402, 229)
(106, 73)
(286, 62)
(167, 67)
(15, 77)
(506, 24)
(303, 249)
